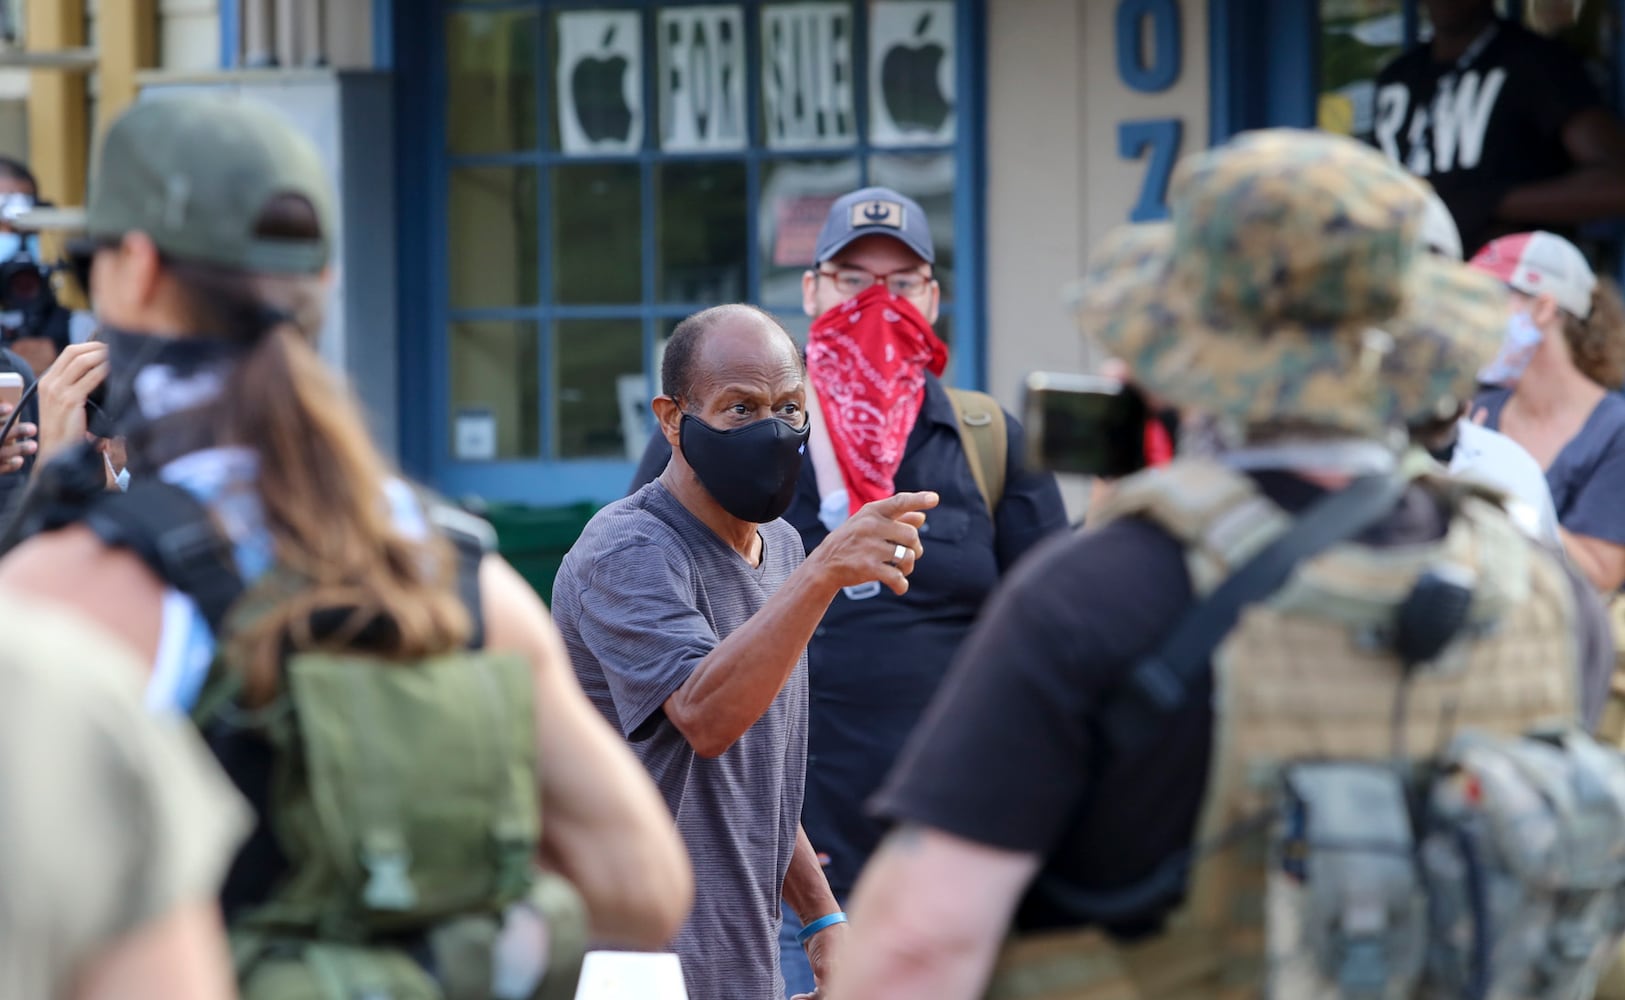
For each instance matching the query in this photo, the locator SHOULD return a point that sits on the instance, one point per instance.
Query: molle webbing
(1219, 516)
(1308, 674)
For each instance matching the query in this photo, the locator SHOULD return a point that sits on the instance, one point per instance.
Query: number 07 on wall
(1150, 69)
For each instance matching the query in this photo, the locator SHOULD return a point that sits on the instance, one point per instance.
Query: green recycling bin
(535, 539)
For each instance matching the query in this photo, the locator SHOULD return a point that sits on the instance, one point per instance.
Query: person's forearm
(1589, 194)
(1603, 563)
(928, 916)
(180, 955)
(805, 887)
(736, 683)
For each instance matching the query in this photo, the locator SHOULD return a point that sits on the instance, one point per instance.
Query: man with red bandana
(882, 421)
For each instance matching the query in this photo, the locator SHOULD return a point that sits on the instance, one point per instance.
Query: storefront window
(611, 170)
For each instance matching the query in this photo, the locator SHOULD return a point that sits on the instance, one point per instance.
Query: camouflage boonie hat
(1291, 286)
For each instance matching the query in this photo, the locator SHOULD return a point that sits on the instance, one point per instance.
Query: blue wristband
(818, 925)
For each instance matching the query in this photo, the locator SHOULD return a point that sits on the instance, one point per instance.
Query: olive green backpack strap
(986, 440)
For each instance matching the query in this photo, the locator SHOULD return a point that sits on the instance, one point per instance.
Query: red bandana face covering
(867, 359)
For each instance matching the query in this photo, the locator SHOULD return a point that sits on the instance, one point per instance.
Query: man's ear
(809, 293)
(670, 417)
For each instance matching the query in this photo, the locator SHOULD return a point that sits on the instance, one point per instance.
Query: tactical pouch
(1346, 915)
(464, 958)
(1524, 859)
(334, 972)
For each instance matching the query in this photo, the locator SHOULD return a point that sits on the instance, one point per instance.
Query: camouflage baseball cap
(1291, 286)
(195, 172)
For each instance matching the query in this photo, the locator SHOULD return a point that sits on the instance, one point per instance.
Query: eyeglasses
(850, 281)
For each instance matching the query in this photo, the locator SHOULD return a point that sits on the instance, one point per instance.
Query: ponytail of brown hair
(1597, 343)
(320, 480)
(321, 484)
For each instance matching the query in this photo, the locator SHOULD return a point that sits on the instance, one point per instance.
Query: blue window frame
(558, 308)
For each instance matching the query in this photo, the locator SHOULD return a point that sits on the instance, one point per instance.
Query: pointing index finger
(902, 503)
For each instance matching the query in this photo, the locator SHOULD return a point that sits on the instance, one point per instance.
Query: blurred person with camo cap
(1078, 814)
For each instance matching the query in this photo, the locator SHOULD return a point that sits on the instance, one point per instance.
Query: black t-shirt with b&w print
(1482, 125)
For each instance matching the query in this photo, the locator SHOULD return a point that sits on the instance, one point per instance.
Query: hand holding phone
(11, 389)
(18, 443)
(64, 389)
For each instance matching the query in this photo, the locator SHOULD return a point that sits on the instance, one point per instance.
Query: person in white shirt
(1474, 452)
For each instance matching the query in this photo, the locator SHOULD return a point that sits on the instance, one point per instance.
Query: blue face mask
(1518, 346)
(16, 244)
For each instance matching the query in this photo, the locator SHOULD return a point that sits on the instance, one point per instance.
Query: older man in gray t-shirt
(687, 608)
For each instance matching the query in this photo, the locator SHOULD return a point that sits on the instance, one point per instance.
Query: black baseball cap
(875, 211)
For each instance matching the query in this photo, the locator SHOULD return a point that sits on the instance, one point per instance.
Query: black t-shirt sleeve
(1003, 755)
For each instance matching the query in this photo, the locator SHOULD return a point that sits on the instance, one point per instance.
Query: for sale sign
(702, 79)
(807, 93)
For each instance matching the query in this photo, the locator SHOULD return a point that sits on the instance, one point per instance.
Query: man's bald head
(709, 346)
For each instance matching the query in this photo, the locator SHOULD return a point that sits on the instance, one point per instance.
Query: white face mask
(1518, 346)
(121, 477)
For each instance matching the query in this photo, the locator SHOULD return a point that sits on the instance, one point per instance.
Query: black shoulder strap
(172, 532)
(1161, 683)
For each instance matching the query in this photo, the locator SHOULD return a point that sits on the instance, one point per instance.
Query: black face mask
(751, 471)
(152, 378)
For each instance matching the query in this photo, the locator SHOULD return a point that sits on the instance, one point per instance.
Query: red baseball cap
(1541, 263)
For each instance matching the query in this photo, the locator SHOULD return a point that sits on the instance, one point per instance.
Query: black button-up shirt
(876, 659)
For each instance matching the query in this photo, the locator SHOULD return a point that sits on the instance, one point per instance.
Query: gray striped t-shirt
(647, 591)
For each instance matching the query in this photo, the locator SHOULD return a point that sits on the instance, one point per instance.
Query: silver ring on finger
(899, 554)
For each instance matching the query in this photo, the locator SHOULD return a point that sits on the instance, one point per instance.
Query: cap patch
(877, 213)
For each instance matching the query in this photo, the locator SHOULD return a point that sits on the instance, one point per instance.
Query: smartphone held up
(1092, 425)
(11, 388)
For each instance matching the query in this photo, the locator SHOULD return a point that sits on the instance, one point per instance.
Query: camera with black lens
(28, 302)
(25, 286)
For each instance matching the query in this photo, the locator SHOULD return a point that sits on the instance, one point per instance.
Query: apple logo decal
(908, 82)
(598, 88)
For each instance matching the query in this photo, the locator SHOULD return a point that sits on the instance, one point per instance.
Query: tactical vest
(1305, 676)
(399, 816)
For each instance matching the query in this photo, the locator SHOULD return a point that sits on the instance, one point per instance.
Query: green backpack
(404, 799)
(402, 795)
